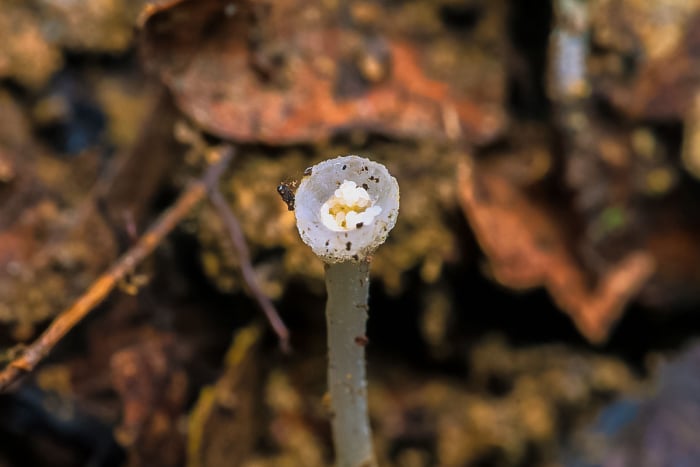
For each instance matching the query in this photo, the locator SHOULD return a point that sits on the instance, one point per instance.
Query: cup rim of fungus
(345, 208)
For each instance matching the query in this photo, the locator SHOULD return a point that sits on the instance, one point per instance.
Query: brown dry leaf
(526, 248)
(293, 71)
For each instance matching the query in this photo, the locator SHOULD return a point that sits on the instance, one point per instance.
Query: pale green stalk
(346, 315)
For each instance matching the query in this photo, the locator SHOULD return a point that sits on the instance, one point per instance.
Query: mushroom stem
(347, 284)
(345, 208)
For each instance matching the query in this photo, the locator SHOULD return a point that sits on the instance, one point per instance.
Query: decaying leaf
(296, 71)
(526, 248)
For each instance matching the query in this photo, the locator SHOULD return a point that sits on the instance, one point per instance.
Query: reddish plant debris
(292, 71)
(52, 231)
(626, 190)
(527, 248)
(152, 388)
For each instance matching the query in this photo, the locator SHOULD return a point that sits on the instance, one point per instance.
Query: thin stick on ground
(239, 244)
(101, 288)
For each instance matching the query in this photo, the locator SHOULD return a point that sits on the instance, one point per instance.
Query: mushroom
(345, 208)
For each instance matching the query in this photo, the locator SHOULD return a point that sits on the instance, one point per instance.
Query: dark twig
(101, 288)
(241, 247)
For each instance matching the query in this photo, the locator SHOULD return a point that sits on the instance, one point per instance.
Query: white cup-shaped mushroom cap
(346, 207)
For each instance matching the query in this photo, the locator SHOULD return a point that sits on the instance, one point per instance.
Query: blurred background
(536, 304)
